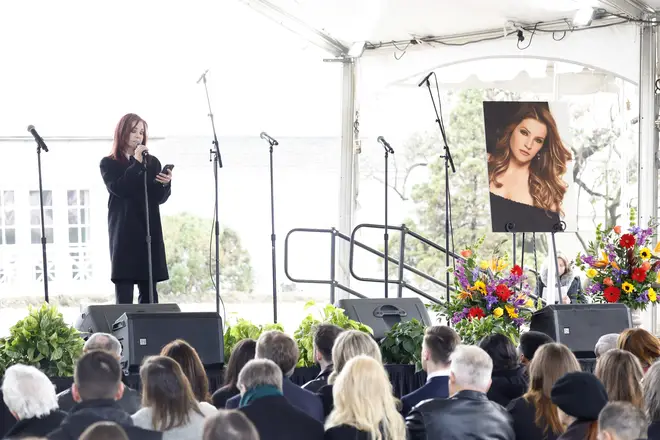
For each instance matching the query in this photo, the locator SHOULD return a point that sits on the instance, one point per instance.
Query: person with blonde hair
(348, 345)
(640, 343)
(358, 417)
(621, 373)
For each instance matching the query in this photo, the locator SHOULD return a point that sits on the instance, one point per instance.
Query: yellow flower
(484, 265)
(529, 303)
(511, 311)
(645, 253)
(652, 296)
(480, 286)
(498, 312)
(592, 273)
(657, 278)
(627, 287)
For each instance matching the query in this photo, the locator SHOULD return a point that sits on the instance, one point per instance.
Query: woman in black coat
(124, 173)
(509, 377)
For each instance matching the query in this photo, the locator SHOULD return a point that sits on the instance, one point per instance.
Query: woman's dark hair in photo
(241, 354)
(192, 367)
(501, 350)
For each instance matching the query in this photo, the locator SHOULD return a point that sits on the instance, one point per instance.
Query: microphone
(385, 144)
(426, 78)
(203, 76)
(37, 138)
(265, 136)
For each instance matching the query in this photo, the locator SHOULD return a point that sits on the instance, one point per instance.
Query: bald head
(105, 342)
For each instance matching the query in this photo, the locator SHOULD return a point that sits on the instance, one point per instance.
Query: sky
(75, 67)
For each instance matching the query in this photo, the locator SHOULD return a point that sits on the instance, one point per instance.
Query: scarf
(257, 393)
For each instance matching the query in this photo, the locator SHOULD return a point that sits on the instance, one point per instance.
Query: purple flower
(475, 273)
(520, 301)
(459, 316)
(644, 297)
(588, 259)
(518, 321)
(593, 289)
(490, 301)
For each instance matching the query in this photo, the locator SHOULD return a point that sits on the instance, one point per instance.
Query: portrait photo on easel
(529, 167)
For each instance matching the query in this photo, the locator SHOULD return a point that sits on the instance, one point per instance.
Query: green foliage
(304, 334)
(42, 340)
(473, 331)
(402, 344)
(187, 239)
(244, 329)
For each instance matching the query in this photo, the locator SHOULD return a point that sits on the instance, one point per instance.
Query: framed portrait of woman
(529, 167)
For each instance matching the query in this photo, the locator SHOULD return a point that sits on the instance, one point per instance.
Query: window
(79, 234)
(7, 218)
(35, 217)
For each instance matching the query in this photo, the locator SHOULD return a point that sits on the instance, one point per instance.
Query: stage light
(357, 49)
(583, 16)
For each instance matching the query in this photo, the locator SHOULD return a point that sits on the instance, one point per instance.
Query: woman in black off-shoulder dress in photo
(525, 169)
(123, 173)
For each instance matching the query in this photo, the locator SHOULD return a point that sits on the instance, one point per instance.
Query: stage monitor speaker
(579, 326)
(382, 313)
(145, 334)
(100, 318)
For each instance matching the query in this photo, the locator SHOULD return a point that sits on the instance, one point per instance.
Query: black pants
(124, 292)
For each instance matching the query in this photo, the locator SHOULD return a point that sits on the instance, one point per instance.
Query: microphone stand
(386, 236)
(449, 161)
(148, 238)
(272, 142)
(42, 146)
(217, 164)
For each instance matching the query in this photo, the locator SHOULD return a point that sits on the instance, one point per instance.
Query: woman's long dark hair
(192, 367)
(166, 390)
(122, 132)
(501, 350)
(241, 354)
(546, 170)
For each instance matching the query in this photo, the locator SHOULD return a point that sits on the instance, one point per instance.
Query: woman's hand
(164, 178)
(566, 300)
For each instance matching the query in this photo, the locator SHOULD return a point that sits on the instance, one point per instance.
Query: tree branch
(591, 192)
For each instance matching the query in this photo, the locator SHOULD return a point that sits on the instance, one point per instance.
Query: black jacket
(654, 431)
(36, 427)
(508, 385)
(129, 402)
(434, 388)
(85, 414)
(524, 416)
(346, 432)
(127, 219)
(321, 380)
(221, 396)
(276, 419)
(576, 431)
(465, 415)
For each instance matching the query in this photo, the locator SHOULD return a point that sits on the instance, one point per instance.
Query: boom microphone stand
(448, 162)
(217, 164)
(272, 142)
(388, 150)
(148, 238)
(41, 145)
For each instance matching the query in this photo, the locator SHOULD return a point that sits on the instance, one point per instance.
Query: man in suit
(262, 401)
(438, 345)
(324, 339)
(282, 349)
(130, 399)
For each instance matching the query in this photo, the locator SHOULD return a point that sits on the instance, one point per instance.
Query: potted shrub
(244, 329)
(402, 344)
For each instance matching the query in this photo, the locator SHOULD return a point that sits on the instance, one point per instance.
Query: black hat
(580, 395)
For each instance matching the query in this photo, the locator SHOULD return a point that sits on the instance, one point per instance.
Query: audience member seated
(640, 343)
(509, 376)
(130, 399)
(358, 418)
(30, 397)
(622, 374)
(622, 421)
(192, 367)
(97, 388)
(104, 431)
(534, 415)
(229, 425)
(467, 414)
(606, 343)
(438, 345)
(579, 397)
(263, 402)
(530, 342)
(168, 402)
(349, 344)
(282, 349)
(242, 352)
(651, 390)
(324, 338)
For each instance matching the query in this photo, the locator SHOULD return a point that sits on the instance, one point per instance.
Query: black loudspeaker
(382, 313)
(100, 318)
(145, 334)
(579, 326)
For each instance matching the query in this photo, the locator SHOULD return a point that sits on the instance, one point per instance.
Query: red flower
(627, 241)
(476, 312)
(517, 271)
(639, 275)
(503, 292)
(612, 294)
(466, 253)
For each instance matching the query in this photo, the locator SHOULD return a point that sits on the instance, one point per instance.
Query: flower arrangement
(490, 298)
(621, 267)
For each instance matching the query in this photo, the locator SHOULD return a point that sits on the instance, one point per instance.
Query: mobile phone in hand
(167, 168)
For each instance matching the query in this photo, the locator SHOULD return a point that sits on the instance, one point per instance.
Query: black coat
(130, 401)
(126, 219)
(524, 416)
(319, 382)
(36, 427)
(346, 432)
(221, 396)
(276, 419)
(508, 385)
